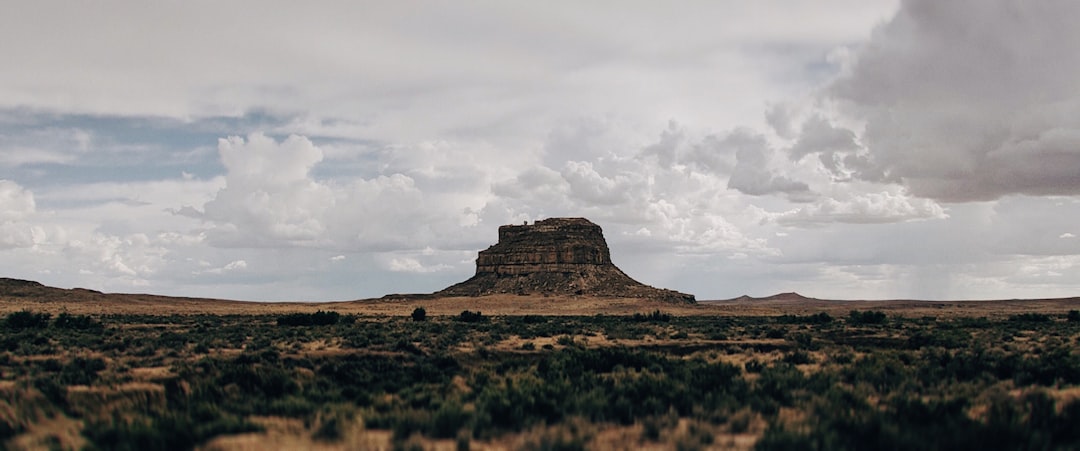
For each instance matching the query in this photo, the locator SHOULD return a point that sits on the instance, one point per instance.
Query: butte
(556, 256)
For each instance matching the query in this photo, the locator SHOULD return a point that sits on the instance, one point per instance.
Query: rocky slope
(557, 256)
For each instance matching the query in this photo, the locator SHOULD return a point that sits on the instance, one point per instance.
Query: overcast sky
(282, 150)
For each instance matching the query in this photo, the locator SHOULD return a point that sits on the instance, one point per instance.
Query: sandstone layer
(557, 256)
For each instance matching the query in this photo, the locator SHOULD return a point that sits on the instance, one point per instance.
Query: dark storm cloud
(967, 100)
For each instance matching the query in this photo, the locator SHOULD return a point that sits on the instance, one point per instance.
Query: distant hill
(785, 297)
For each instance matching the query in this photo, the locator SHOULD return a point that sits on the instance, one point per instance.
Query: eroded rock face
(561, 256)
(553, 245)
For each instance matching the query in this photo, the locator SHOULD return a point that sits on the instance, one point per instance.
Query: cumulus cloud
(234, 265)
(963, 101)
(589, 186)
(16, 205)
(410, 264)
(681, 204)
(272, 198)
(268, 196)
(869, 208)
(134, 257)
(15, 201)
(752, 175)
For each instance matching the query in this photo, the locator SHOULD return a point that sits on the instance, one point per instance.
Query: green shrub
(817, 318)
(25, 319)
(774, 332)
(1030, 318)
(319, 318)
(419, 314)
(448, 420)
(798, 357)
(753, 366)
(66, 320)
(173, 431)
(472, 317)
(654, 317)
(867, 317)
(81, 371)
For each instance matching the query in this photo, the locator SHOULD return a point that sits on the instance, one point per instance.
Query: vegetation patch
(867, 381)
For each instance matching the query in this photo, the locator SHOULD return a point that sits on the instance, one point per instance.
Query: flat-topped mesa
(560, 245)
(557, 256)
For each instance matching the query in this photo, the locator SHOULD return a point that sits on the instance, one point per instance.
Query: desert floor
(79, 301)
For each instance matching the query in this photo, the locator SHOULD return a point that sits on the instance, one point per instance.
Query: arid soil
(20, 295)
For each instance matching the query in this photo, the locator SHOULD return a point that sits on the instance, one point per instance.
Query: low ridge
(557, 256)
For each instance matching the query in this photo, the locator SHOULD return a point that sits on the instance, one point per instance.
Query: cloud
(134, 258)
(409, 264)
(16, 206)
(869, 208)
(15, 202)
(271, 198)
(681, 205)
(751, 174)
(963, 101)
(836, 147)
(17, 235)
(383, 72)
(268, 196)
(234, 265)
(589, 186)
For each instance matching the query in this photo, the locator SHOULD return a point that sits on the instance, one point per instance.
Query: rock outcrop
(557, 256)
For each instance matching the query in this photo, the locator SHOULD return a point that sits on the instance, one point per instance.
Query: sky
(310, 151)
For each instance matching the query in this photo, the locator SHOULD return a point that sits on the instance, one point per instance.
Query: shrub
(332, 422)
(1073, 316)
(798, 357)
(319, 318)
(448, 420)
(419, 314)
(1030, 318)
(654, 317)
(818, 318)
(868, 317)
(66, 320)
(81, 371)
(804, 340)
(170, 431)
(754, 366)
(774, 333)
(25, 319)
(471, 317)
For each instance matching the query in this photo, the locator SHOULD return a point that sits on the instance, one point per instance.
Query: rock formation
(557, 256)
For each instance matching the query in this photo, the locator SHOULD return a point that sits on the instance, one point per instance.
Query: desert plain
(80, 369)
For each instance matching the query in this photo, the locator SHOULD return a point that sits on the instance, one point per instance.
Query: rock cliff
(557, 256)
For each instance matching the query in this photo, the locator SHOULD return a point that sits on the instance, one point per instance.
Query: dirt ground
(79, 301)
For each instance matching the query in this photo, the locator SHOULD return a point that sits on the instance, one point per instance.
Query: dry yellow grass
(88, 302)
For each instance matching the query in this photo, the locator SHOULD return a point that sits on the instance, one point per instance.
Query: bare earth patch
(77, 301)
